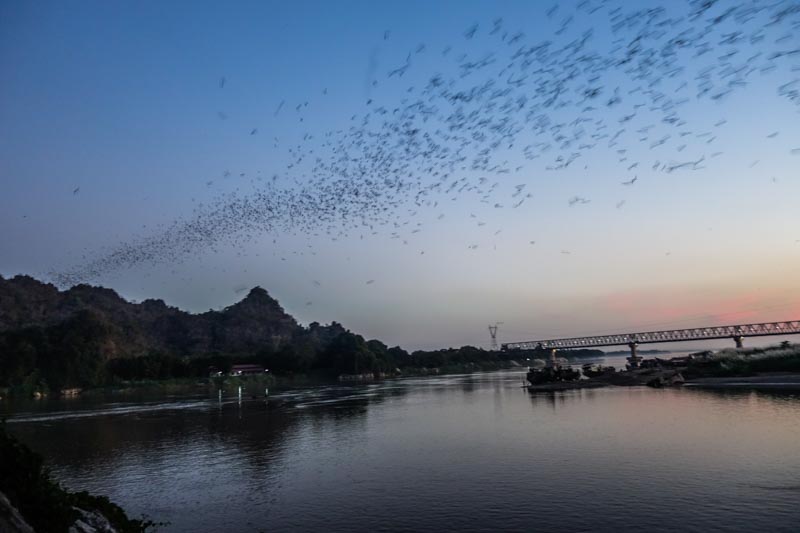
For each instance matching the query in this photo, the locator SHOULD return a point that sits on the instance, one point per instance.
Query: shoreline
(765, 380)
(272, 381)
(762, 381)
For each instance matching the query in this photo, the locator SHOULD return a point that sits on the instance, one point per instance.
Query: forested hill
(254, 323)
(89, 336)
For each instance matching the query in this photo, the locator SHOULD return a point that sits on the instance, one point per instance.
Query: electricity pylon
(493, 335)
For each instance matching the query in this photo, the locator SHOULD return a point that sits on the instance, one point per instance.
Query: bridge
(632, 340)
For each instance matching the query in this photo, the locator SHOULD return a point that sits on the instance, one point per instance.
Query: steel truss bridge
(737, 333)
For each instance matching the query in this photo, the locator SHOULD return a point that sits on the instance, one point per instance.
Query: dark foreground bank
(31, 501)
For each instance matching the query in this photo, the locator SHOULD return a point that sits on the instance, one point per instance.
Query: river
(462, 452)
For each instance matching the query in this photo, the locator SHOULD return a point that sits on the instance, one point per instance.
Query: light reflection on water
(468, 452)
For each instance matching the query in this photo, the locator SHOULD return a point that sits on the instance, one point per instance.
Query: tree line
(75, 352)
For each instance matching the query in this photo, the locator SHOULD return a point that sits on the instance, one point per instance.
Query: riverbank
(767, 380)
(254, 384)
(31, 501)
(771, 367)
(787, 381)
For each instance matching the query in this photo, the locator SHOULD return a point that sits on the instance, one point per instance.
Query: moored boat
(595, 371)
(552, 374)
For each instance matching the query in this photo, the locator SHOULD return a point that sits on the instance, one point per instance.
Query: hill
(89, 336)
(151, 326)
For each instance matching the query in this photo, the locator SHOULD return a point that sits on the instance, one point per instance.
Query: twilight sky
(125, 126)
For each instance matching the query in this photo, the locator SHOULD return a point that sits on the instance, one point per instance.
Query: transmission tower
(493, 335)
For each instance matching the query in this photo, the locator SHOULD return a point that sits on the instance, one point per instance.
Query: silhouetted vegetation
(746, 362)
(71, 354)
(68, 354)
(88, 337)
(83, 350)
(41, 501)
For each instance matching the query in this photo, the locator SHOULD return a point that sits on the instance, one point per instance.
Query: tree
(349, 354)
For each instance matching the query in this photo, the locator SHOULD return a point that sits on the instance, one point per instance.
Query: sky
(121, 120)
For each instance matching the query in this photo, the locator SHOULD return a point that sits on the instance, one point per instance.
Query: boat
(552, 374)
(591, 371)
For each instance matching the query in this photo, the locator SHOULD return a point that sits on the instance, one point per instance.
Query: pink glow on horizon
(668, 308)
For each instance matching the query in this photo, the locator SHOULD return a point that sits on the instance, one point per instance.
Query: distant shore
(257, 384)
(771, 367)
(767, 380)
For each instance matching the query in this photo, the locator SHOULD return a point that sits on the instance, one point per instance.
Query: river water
(464, 452)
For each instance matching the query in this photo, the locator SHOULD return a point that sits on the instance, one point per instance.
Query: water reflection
(469, 452)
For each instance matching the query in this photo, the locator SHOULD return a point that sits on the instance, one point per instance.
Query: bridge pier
(634, 360)
(553, 362)
(738, 340)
